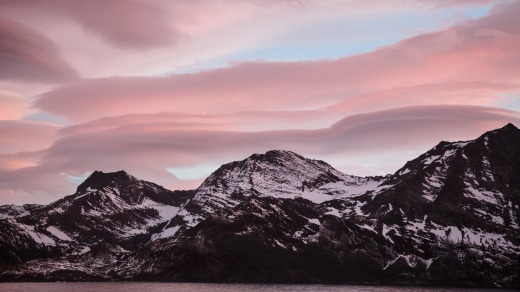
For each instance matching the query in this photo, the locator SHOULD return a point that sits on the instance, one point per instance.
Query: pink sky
(170, 90)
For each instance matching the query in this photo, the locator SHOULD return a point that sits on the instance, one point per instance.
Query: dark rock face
(449, 217)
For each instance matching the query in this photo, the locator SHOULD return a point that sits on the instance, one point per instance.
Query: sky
(170, 90)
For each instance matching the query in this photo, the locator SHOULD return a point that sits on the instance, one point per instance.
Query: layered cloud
(125, 23)
(27, 55)
(26, 135)
(148, 152)
(379, 131)
(469, 53)
(20, 160)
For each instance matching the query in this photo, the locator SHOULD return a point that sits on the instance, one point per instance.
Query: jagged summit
(99, 179)
(280, 158)
(501, 138)
(116, 175)
(275, 154)
(275, 172)
(127, 188)
(509, 128)
(285, 158)
(505, 135)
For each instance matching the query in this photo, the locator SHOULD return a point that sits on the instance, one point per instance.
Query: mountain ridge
(451, 216)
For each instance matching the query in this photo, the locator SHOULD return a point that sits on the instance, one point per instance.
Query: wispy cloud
(443, 61)
(27, 55)
(149, 152)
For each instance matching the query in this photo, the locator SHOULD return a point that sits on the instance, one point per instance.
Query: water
(197, 287)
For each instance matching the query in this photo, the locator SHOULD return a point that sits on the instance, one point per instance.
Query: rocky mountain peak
(271, 172)
(99, 180)
(479, 176)
(283, 159)
(274, 155)
(507, 135)
(508, 129)
(287, 161)
(504, 142)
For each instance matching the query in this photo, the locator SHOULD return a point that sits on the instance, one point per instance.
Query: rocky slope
(449, 217)
(108, 208)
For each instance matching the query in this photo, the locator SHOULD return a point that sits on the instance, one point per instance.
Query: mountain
(113, 208)
(279, 174)
(449, 217)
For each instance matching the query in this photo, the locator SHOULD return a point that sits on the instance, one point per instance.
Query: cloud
(136, 37)
(12, 106)
(253, 121)
(247, 87)
(406, 127)
(449, 3)
(130, 24)
(414, 127)
(19, 160)
(21, 135)
(148, 152)
(445, 57)
(27, 55)
(26, 185)
(467, 93)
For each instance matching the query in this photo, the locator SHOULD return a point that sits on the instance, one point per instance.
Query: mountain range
(448, 217)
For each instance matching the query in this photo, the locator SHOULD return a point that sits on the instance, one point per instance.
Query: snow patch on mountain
(483, 194)
(166, 212)
(430, 159)
(58, 233)
(334, 212)
(169, 232)
(38, 237)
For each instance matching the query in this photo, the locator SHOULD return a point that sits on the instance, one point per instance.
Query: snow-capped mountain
(449, 217)
(106, 208)
(278, 174)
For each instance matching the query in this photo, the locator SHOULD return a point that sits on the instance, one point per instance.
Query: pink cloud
(25, 135)
(10, 162)
(252, 86)
(186, 147)
(445, 3)
(147, 152)
(12, 106)
(415, 127)
(27, 55)
(27, 185)
(467, 93)
(124, 23)
(445, 57)
(239, 121)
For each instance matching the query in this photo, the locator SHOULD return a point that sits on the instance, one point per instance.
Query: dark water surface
(192, 287)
